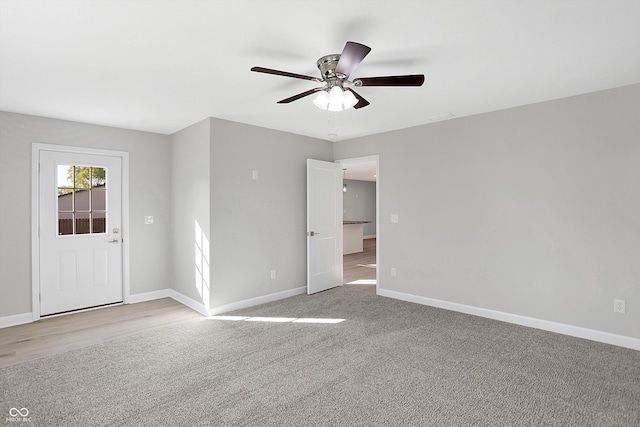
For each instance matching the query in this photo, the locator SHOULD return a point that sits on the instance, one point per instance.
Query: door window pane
(98, 177)
(99, 222)
(65, 223)
(81, 199)
(83, 225)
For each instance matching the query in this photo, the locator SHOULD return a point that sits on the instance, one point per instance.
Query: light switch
(255, 175)
(394, 218)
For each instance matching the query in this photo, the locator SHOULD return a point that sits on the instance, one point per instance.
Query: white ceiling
(360, 171)
(160, 66)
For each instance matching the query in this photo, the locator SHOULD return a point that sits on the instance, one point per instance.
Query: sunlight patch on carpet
(277, 319)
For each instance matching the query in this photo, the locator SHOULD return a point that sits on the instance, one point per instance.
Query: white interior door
(324, 225)
(80, 220)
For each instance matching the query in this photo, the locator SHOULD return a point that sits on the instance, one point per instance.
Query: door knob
(312, 233)
(114, 241)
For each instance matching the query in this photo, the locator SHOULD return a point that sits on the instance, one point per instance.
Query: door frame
(375, 158)
(36, 148)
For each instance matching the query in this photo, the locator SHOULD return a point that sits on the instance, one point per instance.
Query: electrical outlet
(273, 274)
(148, 219)
(395, 218)
(619, 306)
(393, 272)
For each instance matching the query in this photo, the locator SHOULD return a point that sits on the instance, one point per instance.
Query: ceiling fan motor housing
(327, 65)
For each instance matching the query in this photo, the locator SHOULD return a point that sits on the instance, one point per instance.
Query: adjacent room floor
(359, 269)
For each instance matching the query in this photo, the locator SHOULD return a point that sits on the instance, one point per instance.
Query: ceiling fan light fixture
(336, 99)
(322, 100)
(349, 99)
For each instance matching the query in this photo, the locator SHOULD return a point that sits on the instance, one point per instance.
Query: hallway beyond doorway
(359, 269)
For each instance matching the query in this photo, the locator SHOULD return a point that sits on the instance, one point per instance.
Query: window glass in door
(82, 195)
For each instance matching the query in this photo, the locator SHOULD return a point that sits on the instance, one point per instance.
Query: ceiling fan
(335, 71)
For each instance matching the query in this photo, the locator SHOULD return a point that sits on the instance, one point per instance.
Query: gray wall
(533, 210)
(258, 226)
(190, 171)
(149, 195)
(200, 175)
(359, 204)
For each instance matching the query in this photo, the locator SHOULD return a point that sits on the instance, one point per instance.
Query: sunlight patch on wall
(202, 265)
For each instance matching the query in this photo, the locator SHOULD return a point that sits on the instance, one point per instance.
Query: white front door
(324, 225)
(80, 229)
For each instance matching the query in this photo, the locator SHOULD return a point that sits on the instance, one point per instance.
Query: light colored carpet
(388, 363)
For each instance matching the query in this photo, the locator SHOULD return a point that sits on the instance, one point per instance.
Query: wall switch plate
(619, 306)
(393, 272)
(395, 218)
(273, 274)
(254, 174)
(148, 219)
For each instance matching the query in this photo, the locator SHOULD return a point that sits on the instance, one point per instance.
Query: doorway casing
(36, 148)
(376, 158)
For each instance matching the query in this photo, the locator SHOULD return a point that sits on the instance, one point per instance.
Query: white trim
(257, 301)
(560, 328)
(202, 309)
(169, 293)
(149, 296)
(35, 233)
(189, 302)
(23, 318)
(126, 278)
(36, 147)
(16, 319)
(372, 236)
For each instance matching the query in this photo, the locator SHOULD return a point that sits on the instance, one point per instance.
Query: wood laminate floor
(355, 275)
(54, 335)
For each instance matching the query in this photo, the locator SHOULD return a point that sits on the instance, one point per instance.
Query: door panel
(79, 216)
(324, 225)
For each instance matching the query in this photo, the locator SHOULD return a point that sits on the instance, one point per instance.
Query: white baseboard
(148, 296)
(202, 309)
(256, 301)
(16, 319)
(189, 302)
(198, 306)
(560, 328)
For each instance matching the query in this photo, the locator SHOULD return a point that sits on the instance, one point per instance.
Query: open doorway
(360, 223)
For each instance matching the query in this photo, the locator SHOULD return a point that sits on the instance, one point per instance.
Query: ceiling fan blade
(361, 101)
(352, 55)
(298, 96)
(284, 73)
(409, 80)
